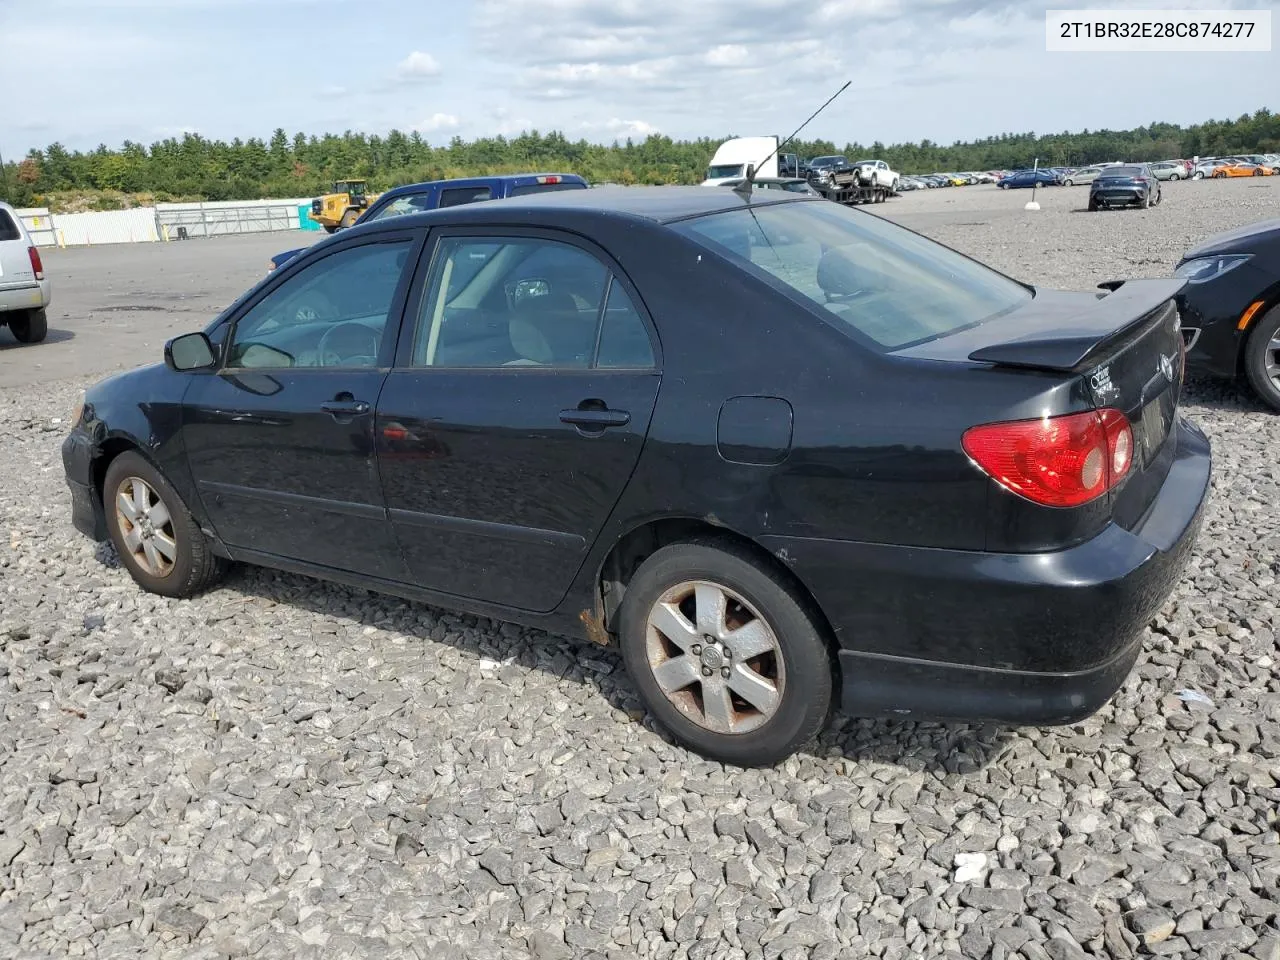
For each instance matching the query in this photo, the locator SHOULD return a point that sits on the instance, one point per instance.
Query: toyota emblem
(1166, 367)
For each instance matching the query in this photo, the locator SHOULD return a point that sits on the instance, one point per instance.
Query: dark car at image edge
(783, 454)
(1231, 307)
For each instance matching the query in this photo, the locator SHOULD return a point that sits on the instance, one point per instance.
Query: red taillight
(1063, 461)
(548, 179)
(37, 267)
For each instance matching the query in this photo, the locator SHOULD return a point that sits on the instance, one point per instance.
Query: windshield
(873, 279)
(725, 170)
(826, 161)
(1124, 172)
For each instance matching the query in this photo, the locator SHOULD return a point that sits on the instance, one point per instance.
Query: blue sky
(106, 70)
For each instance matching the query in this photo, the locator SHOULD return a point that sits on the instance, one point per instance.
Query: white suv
(24, 289)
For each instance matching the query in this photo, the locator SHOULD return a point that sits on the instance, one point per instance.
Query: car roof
(463, 182)
(663, 204)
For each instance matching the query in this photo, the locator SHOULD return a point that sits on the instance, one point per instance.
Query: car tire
(1068, 182)
(1263, 348)
(665, 590)
(1093, 206)
(193, 567)
(29, 326)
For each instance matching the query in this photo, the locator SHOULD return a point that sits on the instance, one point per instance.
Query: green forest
(196, 168)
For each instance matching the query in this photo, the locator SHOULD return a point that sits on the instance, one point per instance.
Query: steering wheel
(357, 336)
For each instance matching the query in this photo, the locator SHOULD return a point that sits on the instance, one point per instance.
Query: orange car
(1241, 169)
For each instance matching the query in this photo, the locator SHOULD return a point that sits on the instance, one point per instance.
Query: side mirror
(191, 351)
(528, 288)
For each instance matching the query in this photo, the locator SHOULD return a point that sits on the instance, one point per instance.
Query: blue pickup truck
(416, 197)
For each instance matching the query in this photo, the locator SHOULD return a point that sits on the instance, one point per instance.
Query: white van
(733, 156)
(24, 289)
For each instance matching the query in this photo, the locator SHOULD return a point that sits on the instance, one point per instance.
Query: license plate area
(1155, 420)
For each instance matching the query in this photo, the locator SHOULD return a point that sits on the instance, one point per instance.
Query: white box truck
(732, 157)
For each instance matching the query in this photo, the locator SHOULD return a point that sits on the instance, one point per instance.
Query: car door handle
(592, 419)
(345, 408)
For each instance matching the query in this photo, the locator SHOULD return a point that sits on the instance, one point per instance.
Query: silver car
(1083, 175)
(24, 288)
(1168, 170)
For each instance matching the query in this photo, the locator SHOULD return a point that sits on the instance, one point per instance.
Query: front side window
(722, 170)
(331, 313)
(525, 302)
(876, 280)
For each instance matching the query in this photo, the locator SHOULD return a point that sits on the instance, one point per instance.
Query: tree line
(197, 168)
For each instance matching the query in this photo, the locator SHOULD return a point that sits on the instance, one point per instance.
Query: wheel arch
(641, 541)
(110, 449)
(1270, 302)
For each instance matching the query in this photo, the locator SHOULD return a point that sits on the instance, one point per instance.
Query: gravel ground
(282, 768)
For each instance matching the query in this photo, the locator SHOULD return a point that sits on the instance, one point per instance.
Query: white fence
(163, 222)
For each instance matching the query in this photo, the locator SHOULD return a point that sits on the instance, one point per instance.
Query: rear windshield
(1123, 172)
(8, 229)
(875, 280)
(526, 188)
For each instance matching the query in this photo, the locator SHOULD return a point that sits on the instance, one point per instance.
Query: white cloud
(727, 55)
(438, 122)
(418, 66)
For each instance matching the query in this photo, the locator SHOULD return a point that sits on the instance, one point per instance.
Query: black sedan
(782, 453)
(1132, 185)
(1031, 178)
(1231, 307)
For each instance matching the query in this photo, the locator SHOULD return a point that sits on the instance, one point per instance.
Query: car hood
(100, 389)
(1239, 239)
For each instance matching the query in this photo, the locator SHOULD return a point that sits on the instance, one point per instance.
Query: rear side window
(8, 229)
(873, 279)
(457, 196)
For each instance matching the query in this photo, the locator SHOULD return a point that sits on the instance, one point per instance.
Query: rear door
(525, 380)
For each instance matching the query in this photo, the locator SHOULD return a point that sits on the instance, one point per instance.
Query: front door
(525, 380)
(280, 437)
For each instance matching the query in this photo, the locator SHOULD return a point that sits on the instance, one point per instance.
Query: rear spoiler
(1072, 339)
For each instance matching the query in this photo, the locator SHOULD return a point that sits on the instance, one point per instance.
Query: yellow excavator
(339, 209)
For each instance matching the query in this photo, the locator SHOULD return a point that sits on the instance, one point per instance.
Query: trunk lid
(1121, 349)
(15, 261)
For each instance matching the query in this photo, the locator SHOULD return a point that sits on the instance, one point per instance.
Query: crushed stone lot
(284, 768)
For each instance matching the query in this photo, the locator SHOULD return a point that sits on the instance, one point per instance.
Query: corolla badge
(1166, 367)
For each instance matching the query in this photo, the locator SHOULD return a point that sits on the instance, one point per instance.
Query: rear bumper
(35, 296)
(1119, 196)
(1043, 638)
(87, 514)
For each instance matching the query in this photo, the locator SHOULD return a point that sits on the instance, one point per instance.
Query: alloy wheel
(714, 657)
(146, 527)
(1271, 359)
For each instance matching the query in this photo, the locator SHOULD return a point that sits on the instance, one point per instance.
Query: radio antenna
(744, 187)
